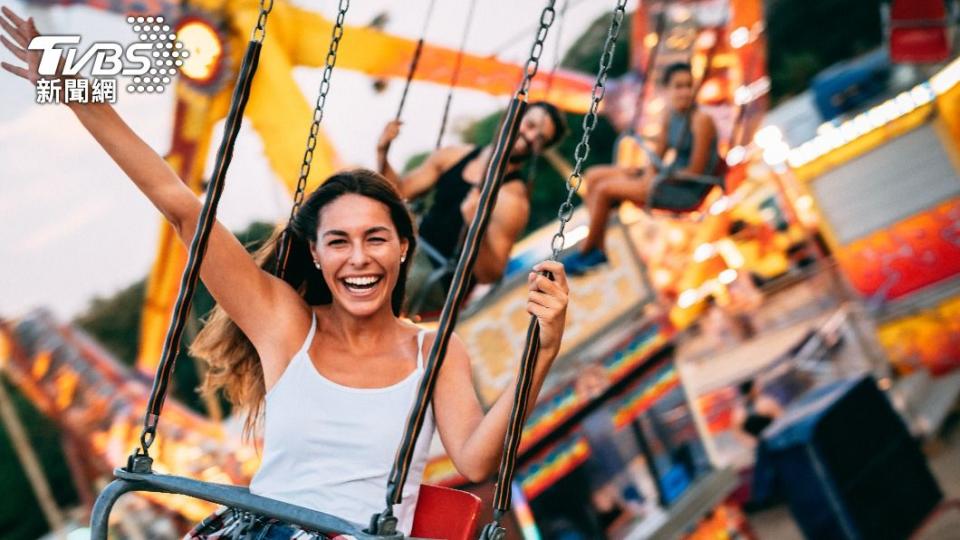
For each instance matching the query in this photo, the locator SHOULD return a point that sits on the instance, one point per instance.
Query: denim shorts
(233, 524)
(679, 195)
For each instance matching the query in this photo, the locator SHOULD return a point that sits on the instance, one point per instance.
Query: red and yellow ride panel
(916, 252)
(929, 339)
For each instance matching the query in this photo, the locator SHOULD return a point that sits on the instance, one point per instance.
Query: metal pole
(29, 461)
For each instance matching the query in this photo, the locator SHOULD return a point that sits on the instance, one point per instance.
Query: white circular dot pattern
(164, 47)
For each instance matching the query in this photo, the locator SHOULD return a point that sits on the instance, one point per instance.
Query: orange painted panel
(919, 251)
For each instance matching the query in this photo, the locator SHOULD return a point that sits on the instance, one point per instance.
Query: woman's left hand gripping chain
(547, 301)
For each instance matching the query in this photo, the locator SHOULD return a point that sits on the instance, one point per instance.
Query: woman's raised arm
(249, 295)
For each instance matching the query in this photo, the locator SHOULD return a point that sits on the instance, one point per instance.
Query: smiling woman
(352, 240)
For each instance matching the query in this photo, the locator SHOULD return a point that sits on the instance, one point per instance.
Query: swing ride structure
(492, 326)
(902, 254)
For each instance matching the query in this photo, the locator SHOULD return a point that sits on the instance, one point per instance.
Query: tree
(548, 187)
(805, 37)
(20, 516)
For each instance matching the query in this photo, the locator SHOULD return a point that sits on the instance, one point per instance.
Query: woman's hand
(20, 33)
(547, 301)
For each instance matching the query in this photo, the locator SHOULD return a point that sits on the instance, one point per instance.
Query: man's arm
(418, 180)
(509, 218)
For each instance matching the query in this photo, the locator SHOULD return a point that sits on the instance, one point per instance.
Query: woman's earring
(403, 259)
(316, 263)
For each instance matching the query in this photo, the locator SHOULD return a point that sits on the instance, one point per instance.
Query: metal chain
(260, 31)
(589, 123)
(455, 74)
(558, 50)
(648, 68)
(533, 62)
(318, 110)
(558, 42)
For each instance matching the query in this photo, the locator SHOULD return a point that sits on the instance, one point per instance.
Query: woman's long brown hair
(234, 365)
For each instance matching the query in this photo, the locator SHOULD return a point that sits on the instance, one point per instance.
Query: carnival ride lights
(651, 40)
(751, 92)
(688, 298)
(720, 206)
(100, 409)
(727, 276)
(739, 37)
(704, 252)
(736, 155)
(206, 50)
(834, 134)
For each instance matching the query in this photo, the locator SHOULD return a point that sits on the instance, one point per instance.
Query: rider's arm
(417, 181)
(660, 139)
(506, 223)
(474, 439)
(249, 296)
(244, 291)
(704, 135)
(422, 178)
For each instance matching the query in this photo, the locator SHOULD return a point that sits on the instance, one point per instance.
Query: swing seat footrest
(223, 494)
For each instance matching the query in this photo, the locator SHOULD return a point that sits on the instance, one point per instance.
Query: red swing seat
(446, 513)
(919, 31)
(632, 152)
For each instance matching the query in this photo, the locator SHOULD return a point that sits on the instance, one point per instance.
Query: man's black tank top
(442, 224)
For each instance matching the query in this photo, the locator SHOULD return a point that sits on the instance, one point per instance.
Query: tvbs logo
(149, 64)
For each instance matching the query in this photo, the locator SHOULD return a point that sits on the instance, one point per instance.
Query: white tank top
(330, 447)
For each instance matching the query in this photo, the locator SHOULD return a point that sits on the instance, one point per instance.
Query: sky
(72, 225)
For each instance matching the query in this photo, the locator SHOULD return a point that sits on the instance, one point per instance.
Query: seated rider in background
(758, 410)
(455, 175)
(691, 136)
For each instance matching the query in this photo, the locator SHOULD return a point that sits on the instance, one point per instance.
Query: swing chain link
(331, 60)
(260, 31)
(533, 62)
(565, 213)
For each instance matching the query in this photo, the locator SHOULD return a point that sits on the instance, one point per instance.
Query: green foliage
(115, 321)
(415, 161)
(804, 37)
(584, 54)
(481, 131)
(549, 187)
(20, 516)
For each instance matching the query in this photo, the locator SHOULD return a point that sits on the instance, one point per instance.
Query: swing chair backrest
(631, 151)
(919, 31)
(447, 513)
